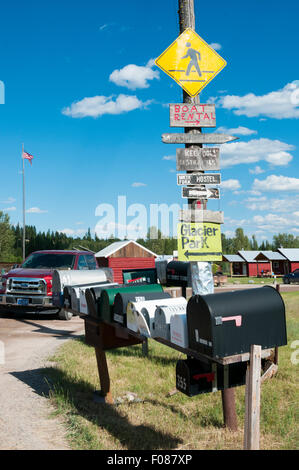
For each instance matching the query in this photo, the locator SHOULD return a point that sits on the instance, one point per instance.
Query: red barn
(278, 262)
(126, 254)
(253, 267)
(292, 256)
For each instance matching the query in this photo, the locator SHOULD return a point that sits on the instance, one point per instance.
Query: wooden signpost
(252, 400)
(192, 63)
(198, 178)
(194, 159)
(212, 138)
(191, 115)
(201, 193)
(191, 215)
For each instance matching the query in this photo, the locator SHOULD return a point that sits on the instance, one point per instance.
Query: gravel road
(26, 341)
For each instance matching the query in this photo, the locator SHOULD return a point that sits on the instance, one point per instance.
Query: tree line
(11, 237)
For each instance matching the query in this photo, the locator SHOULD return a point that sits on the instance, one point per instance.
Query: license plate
(22, 301)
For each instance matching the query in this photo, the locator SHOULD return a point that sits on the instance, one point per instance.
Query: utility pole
(24, 221)
(187, 20)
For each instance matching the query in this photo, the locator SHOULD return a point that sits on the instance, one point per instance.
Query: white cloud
(216, 46)
(278, 205)
(35, 210)
(255, 150)
(229, 233)
(9, 200)
(276, 183)
(169, 157)
(280, 104)
(99, 105)
(134, 76)
(275, 222)
(256, 170)
(10, 209)
(279, 158)
(231, 184)
(132, 231)
(103, 26)
(237, 130)
(138, 185)
(71, 232)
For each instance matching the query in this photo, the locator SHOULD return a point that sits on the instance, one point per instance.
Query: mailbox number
(181, 382)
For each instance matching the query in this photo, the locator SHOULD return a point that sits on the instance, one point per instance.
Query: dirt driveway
(26, 341)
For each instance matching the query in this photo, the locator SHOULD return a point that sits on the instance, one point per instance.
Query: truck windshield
(50, 260)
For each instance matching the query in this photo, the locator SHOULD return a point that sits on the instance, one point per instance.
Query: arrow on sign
(207, 193)
(189, 138)
(197, 253)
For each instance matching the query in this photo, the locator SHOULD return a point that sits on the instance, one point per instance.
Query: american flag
(28, 156)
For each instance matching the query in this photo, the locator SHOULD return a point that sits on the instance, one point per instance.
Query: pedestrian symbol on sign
(192, 55)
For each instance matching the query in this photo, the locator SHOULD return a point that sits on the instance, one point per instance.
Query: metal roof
(249, 256)
(272, 255)
(292, 254)
(109, 250)
(233, 258)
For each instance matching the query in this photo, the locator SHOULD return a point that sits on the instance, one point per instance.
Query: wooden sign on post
(197, 138)
(201, 193)
(191, 115)
(191, 215)
(198, 178)
(190, 159)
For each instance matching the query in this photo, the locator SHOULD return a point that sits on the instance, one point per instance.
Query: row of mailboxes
(194, 376)
(102, 302)
(216, 325)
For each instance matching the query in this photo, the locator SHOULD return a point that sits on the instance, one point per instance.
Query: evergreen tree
(7, 239)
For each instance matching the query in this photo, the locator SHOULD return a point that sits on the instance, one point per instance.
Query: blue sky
(83, 94)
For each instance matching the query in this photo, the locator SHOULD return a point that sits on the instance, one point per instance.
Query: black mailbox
(194, 377)
(228, 323)
(178, 273)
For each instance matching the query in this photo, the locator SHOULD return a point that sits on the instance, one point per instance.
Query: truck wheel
(64, 315)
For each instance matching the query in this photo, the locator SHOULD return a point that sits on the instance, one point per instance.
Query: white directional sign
(199, 178)
(201, 193)
(189, 138)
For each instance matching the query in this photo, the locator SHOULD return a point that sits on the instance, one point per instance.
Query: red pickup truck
(29, 287)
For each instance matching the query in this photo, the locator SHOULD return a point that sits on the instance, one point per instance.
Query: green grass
(160, 421)
(256, 280)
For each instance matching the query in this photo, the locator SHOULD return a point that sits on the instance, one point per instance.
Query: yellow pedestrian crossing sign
(191, 62)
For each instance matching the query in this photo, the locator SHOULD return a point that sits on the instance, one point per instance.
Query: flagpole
(24, 221)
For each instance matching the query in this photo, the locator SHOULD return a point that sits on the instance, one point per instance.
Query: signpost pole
(187, 20)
